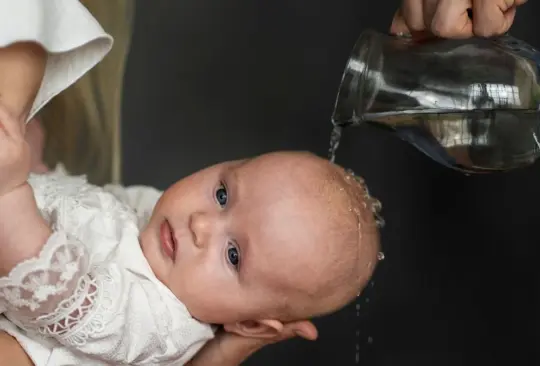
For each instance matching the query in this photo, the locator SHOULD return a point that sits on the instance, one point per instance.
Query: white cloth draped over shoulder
(73, 39)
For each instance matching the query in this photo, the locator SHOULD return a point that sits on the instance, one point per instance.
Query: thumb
(399, 26)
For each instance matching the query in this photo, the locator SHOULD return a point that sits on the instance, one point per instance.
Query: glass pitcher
(471, 105)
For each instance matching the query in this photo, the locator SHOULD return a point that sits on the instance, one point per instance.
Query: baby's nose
(202, 225)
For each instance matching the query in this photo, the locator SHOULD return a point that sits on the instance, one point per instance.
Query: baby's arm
(38, 269)
(23, 231)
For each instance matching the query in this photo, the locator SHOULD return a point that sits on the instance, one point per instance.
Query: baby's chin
(150, 246)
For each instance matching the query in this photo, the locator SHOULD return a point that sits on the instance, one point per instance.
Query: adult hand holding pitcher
(452, 18)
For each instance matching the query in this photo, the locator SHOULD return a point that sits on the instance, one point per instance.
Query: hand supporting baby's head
(254, 243)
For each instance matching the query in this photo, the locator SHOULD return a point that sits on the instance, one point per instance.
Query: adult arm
(225, 350)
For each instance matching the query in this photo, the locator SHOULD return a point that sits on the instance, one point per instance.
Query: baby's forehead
(290, 192)
(296, 172)
(303, 189)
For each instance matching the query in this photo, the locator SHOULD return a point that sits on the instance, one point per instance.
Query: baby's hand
(14, 153)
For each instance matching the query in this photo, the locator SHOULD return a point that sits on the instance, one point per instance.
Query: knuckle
(416, 26)
(482, 31)
(412, 14)
(442, 29)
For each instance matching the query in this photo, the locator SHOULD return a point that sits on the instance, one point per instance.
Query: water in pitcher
(475, 141)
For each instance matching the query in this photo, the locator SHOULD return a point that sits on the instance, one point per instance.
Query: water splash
(357, 348)
(335, 138)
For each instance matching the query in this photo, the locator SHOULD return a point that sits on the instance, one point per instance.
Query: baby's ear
(256, 328)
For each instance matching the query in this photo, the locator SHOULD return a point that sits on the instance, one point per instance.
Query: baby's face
(229, 239)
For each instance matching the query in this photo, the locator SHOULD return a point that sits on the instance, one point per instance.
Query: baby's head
(252, 243)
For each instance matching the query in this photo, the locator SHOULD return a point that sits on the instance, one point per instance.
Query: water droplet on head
(380, 256)
(376, 205)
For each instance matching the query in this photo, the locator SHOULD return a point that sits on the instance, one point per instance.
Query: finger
(234, 343)
(399, 26)
(11, 126)
(429, 10)
(493, 17)
(413, 15)
(451, 19)
(35, 134)
(518, 2)
(304, 329)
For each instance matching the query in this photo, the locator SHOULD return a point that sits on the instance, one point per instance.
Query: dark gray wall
(213, 80)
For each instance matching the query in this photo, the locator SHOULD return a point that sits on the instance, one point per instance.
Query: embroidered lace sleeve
(105, 312)
(53, 292)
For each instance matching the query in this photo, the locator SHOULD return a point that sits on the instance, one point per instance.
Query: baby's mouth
(168, 243)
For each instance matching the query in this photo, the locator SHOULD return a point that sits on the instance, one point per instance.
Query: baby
(113, 275)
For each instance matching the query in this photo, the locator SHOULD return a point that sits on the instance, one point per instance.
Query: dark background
(213, 80)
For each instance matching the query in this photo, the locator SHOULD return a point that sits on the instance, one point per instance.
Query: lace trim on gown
(55, 295)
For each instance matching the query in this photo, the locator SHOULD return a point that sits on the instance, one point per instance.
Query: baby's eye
(233, 256)
(221, 195)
